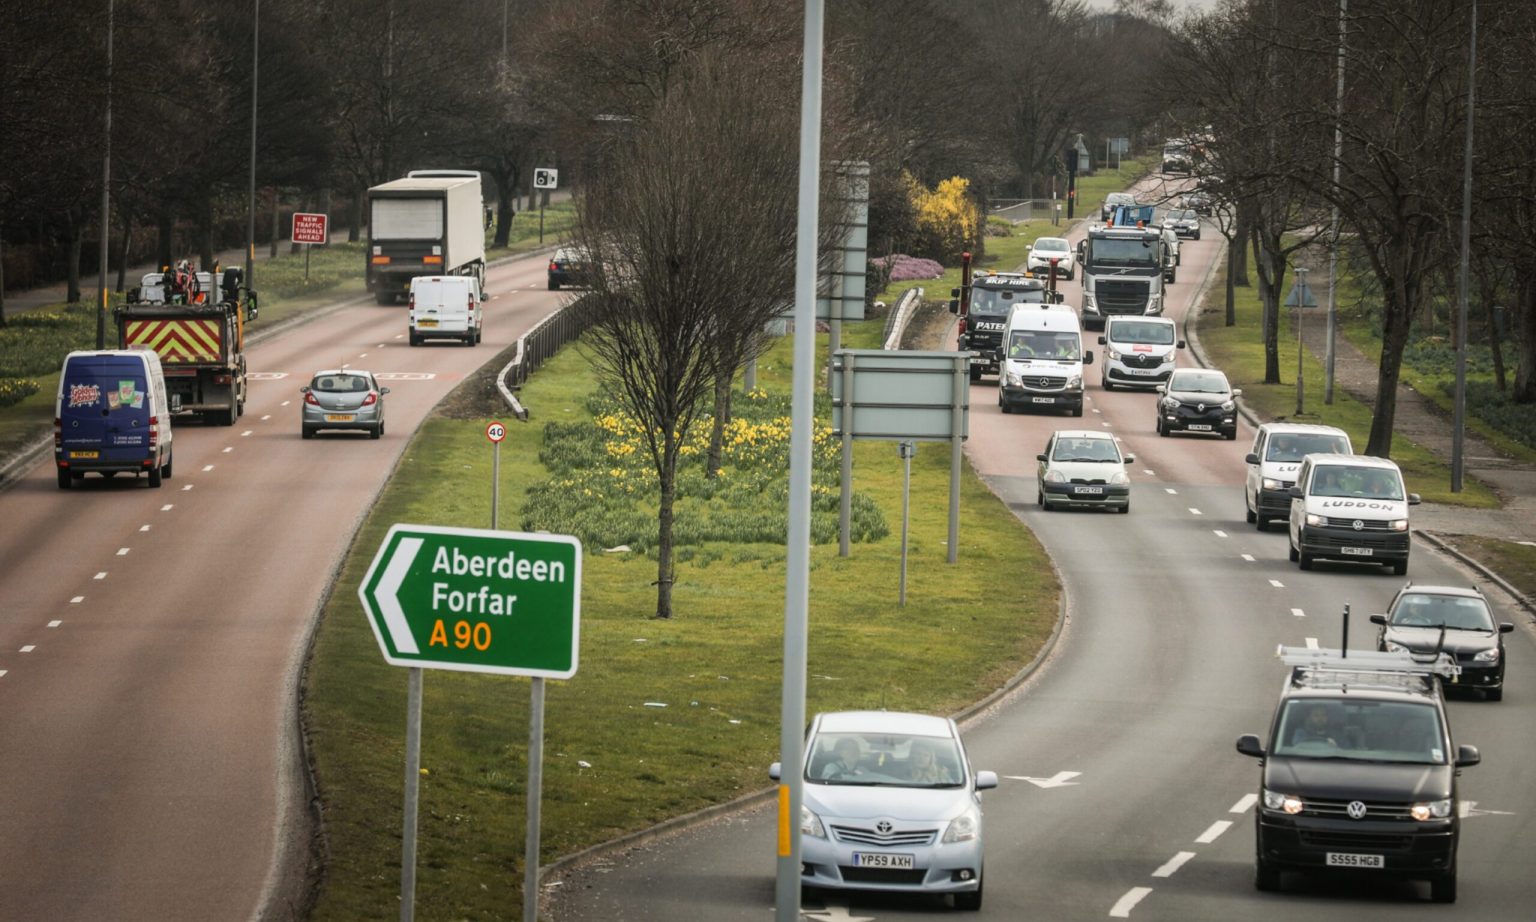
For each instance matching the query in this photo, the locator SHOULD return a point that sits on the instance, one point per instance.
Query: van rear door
(104, 409)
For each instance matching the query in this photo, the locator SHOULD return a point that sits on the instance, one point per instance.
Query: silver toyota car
(891, 804)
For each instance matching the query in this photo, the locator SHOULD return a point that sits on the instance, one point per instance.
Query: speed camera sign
(546, 178)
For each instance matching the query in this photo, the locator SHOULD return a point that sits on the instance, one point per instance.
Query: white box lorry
(424, 225)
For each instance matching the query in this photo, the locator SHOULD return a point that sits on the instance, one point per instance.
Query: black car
(1197, 400)
(1360, 772)
(567, 267)
(1450, 619)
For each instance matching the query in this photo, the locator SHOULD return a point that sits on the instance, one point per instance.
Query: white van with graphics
(1138, 351)
(1041, 360)
(446, 307)
(1350, 507)
(1273, 461)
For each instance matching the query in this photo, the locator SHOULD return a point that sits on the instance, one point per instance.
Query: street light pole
(250, 224)
(1333, 250)
(1459, 426)
(106, 187)
(1301, 349)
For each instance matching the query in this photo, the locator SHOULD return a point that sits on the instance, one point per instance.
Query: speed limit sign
(495, 432)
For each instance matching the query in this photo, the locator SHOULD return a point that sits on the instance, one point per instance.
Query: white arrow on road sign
(394, 577)
(1058, 780)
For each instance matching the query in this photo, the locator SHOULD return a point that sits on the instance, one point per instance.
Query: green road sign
(475, 600)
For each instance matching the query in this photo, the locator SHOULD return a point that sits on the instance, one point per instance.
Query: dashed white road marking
(1220, 533)
(1173, 864)
(186, 488)
(167, 507)
(346, 364)
(247, 433)
(2, 673)
(143, 528)
(1244, 803)
(1148, 472)
(54, 623)
(1097, 410)
(1123, 906)
(1105, 425)
(363, 356)
(286, 402)
(122, 552)
(268, 416)
(1311, 643)
(77, 600)
(1194, 511)
(229, 449)
(101, 575)
(399, 336)
(28, 648)
(1277, 584)
(1171, 491)
(1248, 557)
(1215, 830)
(380, 346)
(207, 468)
(1298, 613)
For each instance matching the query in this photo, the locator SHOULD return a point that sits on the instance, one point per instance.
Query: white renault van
(1274, 459)
(111, 416)
(1350, 507)
(445, 307)
(1041, 360)
(1138, 351)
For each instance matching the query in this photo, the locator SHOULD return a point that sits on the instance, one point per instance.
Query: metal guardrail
(901, 315)
(536, 346)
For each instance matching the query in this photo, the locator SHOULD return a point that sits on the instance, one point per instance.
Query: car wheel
(1442, 889)
(1266, 877)
(1077, 410)
(415, 340)
(1250, 514)
(554, 285)
(1126, 508)
(240, 408)
(1493, 694)
(1108, 384)
(230, 416)
(307, 432)
(1261, 522)
(384, 297)
(1293, 553)
(1162, 430)
(66, 480)
(1040, 497)
(1304, 560)
(969, 902)
(376, 431)
(155, 478)
(166, 471)
(1197, 235)
(1231, 436)
(975, 374)
(1399, 567)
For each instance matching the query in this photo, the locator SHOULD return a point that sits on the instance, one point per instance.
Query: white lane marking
(1097, 410)
(1277, 584)
(286, 402)
(1248, 557)
(1171, 491)
(1148, 471)
(122, 552)
(1058, 780)
(186, 488)
(207, 468)
(1194, 511)
(380, 346)
(229, 449)
(77, 600)
(2, 673)
(399, 336)
(1220, 533)
(54, 623)
(363, 356)
(29, 648)
(246, 433)
(1215, 830)
(167, 507)
(1244, 803)
(101, 575)
(1311, 643)
(1105, 425)
(346, 364)
(1122, 908)
(267, 417)
(267, 375)
(143, 528)
(1298, 613)
(1173, 864)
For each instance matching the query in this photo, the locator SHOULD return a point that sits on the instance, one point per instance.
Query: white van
(1274, 459)
(446, 307)
(1350, 507)
(111, 416)
(1138, 351)
(1041, 360)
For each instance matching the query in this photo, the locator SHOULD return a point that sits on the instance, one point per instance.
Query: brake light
(432, 260)
(310, 399)
(58, 433)
(371, 399)
(154, 431)
(381, 260)
(554, 266)
(471, 304)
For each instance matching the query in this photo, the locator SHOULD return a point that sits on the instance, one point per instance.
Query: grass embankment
(1239, 351)
(33, 344)
(1513, 561)
(613, 762)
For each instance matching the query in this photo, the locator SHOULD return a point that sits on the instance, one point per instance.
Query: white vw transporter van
(1041, 360)
(1350, 507)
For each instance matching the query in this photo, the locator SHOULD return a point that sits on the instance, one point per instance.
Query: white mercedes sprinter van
(1350, 507)
(1041, 360)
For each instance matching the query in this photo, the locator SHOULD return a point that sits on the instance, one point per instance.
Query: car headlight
(1229, 406)
(1398, 524)
(1271, 483)
(1014, 380)
(1316, 519)
(1491, 655)
(1288, 803)
(1395, 647)
(1074, 382)
(810, 823)
(1433, 810)
(1111, 354)
(1088, 304)
(1168, 403)
(1119, 477)
(964, 827)
(1055, 477)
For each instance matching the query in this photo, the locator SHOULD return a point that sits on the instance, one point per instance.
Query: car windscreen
(1140, 333)
(1359, 482)
(1199, 383)
(1455, 613)
(1287, 446)
(341, 384)
(1051, 245)
(1032, 344)
(884, 760)
(1104, 251)
(1182, 214)
(1378, 731)
(1085, 449)
(993, 301)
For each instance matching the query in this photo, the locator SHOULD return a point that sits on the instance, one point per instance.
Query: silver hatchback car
(891, 804)
(343, 398)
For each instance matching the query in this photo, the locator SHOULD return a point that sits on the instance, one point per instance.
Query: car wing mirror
(1162, 389)
(1129, 459)
(1467, 756)
(954, 292)
(1295, 493)
(1249, 745)
(1237, 392)
(1102, 342)
(986, 781)
(304, 389)
(1039, 457)
(1088, 357)
(1250, 458)
(1180, 344)
(1506, 627)
(954, 305)
(1413, 499)
(383, 390)
(1379, 619)
(775, 770)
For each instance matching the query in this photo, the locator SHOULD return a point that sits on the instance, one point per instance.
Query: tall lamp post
(106, 187)
(250, 221)
(1459, 427)
(1333, 250)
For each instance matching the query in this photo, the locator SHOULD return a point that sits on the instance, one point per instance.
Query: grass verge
(1239, 351)
(1514, 561)
(614, 763)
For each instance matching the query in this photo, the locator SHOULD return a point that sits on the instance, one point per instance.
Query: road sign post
(495, 432)
(545, 178)
(475, 600)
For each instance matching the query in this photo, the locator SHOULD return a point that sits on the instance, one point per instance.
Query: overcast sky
(1180, 5)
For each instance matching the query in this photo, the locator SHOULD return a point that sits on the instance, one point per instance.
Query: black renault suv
(1360, 771)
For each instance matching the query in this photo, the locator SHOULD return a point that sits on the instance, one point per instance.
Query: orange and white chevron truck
(198, 330)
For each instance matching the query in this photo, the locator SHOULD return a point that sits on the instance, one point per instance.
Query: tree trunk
(1271, 277)
(205, 235)
(1488, 293)
(1525, 341)
(1397, 307)
(664, 519)
(294, 247)
(2, 275)
(76, 241)
(505, 183)
(355, 218)
(1232, 251)
(717, 428)
(1240, 233)
(272, 243)
(124, 249)
(165, 238)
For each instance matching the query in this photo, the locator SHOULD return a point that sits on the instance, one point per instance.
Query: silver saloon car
(891, 804)
(346, 398)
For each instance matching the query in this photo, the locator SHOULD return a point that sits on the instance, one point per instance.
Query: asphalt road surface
(150, 640)
(1122, 795)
